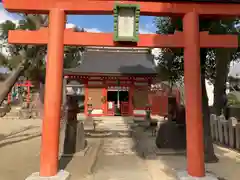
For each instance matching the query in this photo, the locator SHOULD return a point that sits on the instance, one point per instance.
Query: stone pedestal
(74, 138)
(2, 111)
(183, 175)
(80, 137)
(61, 175)
(171, 136)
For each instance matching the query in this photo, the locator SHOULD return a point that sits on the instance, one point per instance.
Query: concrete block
(238, 136)
(225, 132)
(220, 128)
(231, 127)
(212, 124)
(72, 139)
(61, 175)
(183, 175)
(216, 128)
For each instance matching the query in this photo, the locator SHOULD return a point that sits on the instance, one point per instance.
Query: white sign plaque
(126, 22)
(110, 105)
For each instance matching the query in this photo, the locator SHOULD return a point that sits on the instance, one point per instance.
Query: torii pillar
(53, 96)
(193, 98)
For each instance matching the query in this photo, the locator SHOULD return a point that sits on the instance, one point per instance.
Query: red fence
(159, 101)
(124, 108)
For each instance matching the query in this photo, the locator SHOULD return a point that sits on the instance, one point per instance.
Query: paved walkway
(112, 166)
(120, 155)
(117, 158)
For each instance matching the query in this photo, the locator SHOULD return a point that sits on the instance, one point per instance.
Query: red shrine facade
(118, 78)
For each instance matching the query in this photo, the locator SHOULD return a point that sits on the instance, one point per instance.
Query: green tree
(218, 61)
(20, 57)
(209, 68)
(73, 54)
(29, 60)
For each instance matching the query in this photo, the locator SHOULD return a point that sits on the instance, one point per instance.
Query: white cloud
(4, 15)
(70, 25)
(147, 28)
(145, 31)
(93, 30)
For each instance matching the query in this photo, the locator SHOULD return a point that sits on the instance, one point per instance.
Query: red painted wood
(105, 7)
(9, 98)
(106, 39)
(104, 94)
(53, 95)
(124, 108)
(130, 100)
(28, 91)
(193, 95)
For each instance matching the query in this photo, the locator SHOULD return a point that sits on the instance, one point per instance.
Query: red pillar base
(183, 175)
(61, 175)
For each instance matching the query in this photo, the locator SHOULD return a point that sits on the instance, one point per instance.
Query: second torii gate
(56, 36)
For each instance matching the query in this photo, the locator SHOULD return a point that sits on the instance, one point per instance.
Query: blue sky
(99, 24)
(91, 22)
(105, 23)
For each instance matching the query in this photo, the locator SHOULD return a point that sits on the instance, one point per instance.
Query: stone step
(114, 125)
(114, 122)
(12, 114)
(9, 118)
(123, 126)
(16, 108)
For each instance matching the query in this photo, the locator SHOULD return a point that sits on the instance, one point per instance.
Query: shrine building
(115, 77)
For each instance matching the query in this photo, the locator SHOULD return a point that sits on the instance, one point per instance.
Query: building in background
(119, 78)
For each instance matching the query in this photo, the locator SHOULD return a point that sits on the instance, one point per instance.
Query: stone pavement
(120, 167)
(19, 148)
(165, 163)
(117, 158)
(120, 155)
(20, 142)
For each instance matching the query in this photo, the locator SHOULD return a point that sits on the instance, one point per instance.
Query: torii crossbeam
(56, 36)
(106, 39)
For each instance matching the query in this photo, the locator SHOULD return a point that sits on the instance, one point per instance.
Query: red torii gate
(56, 37)
(27, 84)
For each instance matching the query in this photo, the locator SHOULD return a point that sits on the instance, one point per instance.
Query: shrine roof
(114, 62)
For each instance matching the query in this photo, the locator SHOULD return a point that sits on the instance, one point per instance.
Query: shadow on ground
(18, 136)
(173, 159)
(64, 161)
(169, 160)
